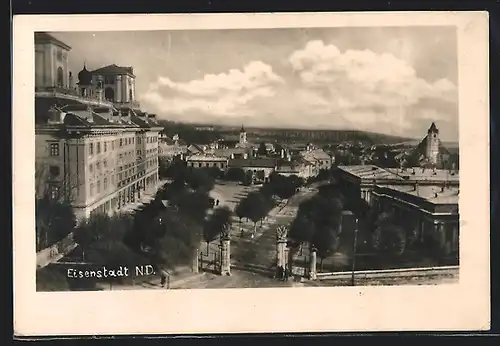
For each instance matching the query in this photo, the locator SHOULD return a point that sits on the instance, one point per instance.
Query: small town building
(204, 160)
(427, 212)
(359, 181)
(261, 168)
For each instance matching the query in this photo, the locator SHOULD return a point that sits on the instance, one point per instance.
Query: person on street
(163, 278)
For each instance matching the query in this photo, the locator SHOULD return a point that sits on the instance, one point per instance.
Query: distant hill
(203, 133)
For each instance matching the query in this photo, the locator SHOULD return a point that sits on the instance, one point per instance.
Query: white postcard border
(463, 306)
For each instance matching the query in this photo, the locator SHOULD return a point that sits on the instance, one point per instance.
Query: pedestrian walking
(163, 278)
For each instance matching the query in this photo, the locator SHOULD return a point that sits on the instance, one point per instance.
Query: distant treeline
(192, 134)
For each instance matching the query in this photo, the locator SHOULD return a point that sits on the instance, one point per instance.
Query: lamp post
(354, 252)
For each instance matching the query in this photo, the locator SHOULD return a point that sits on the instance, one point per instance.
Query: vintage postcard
(236, 173)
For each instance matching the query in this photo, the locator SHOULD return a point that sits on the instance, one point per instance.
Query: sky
(393, 80)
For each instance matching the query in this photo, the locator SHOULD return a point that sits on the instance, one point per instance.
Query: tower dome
(84, 76)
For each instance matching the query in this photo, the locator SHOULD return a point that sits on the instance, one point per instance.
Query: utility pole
(354, 252)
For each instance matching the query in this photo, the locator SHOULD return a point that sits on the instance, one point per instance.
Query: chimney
(125, 116)
(116, 117)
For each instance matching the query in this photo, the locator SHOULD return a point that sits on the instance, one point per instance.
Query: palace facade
(95, 148)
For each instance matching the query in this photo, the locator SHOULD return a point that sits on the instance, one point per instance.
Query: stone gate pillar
(312, 268)
(225, 256)
(281, 249)
(196, 264)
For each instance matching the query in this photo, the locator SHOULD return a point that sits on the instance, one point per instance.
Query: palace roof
(114, 69)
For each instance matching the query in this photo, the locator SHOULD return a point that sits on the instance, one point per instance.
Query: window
(98, 187)
(105, 163)
(121, 142)
(60, 77)
(91, 168)
(105, 183)
(54, 171)
(98, 166)
(139, 140)
(54, 149)
(109, 80)
(112, 145)
(105, 146)
(91, 149)
(98, 147)
(91, 189)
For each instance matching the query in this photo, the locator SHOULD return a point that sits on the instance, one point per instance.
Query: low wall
(55, 252)
(451, 271)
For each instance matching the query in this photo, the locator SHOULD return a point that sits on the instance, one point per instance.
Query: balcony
(69, 94)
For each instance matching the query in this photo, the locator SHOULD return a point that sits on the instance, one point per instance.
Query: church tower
(432, 148)
(243, 136)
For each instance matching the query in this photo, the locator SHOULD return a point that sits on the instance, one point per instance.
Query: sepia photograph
(247, 158)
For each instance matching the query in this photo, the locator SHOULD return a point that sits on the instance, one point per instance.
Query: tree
(256, 206)
(194, 204)
(262, 150)
(198, 179)
(235, 174)
(241, 209)
(218, 222)
(389, 238)
(179, 242)
(326, 241)
(54, 220)
(302, 230)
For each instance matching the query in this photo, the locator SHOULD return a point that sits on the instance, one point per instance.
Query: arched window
(130, 95)
(60, 77)
(109, 94)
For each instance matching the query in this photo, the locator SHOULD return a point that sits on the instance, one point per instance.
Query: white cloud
(217, 94)
(364, 87)
(357, 89)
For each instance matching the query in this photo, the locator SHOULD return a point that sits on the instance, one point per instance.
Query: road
(252, 258)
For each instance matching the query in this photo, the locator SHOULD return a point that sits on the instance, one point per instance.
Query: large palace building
(94, 146)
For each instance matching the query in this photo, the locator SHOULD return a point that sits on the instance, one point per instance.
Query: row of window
(96, 188)
(123, 197)
(106, 145)
(207, 164)
(98, 166)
